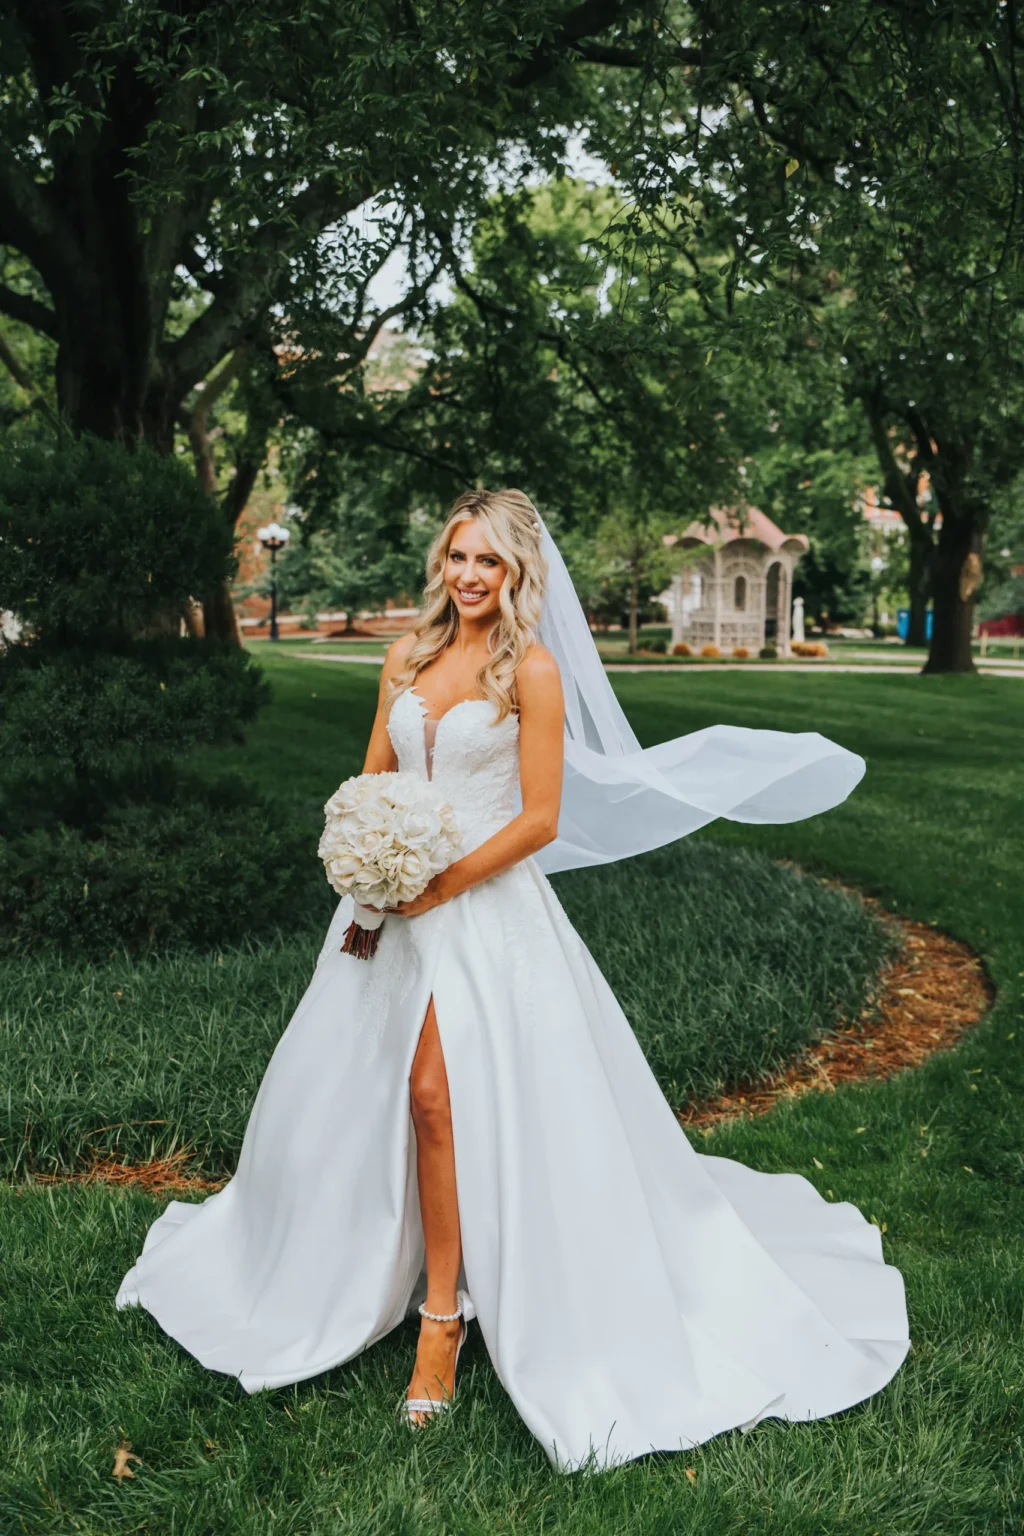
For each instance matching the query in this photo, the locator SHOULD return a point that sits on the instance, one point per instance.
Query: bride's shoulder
(398, 653)
(538, 662)
(401, 647)
(537, 675)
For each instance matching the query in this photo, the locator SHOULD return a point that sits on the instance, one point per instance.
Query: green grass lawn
(145, 1056)
(935, 1156)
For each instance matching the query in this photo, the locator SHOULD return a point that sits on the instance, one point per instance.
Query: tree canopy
(155, 154)
(183, 206)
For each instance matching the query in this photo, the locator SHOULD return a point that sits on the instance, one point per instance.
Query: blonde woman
(466, 1122)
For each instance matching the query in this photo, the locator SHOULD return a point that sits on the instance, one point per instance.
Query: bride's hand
(433, 896)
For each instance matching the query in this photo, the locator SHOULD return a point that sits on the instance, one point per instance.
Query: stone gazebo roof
(733, 523)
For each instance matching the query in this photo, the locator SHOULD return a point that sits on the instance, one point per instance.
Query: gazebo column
(785, 587)
(717, 609)
(677, 607)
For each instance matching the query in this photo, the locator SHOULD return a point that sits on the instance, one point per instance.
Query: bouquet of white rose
(386, 836)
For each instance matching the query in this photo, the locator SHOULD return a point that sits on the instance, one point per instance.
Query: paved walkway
(801, 666)
(897, 658)
(364, 661)
(897, 669)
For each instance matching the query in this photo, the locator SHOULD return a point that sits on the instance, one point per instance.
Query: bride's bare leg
(434, 1373)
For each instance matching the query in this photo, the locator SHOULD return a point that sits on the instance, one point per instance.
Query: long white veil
(620, 799)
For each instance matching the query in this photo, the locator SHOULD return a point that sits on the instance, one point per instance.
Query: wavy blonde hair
(511, 525)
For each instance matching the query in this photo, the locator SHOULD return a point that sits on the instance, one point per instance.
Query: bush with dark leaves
(104, 843)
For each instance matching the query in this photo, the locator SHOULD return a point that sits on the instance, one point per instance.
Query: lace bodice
(474, 760)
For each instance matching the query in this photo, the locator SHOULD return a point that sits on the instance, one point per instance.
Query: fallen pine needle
(122, 1456)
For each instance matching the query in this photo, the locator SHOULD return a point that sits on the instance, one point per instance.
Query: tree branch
(242, 295)
(585, 20)
(634, 58)
(32, 224)
(381, 318)
(20, 306)
(195, 418)
(236, 497)
(20, 374)
(894, 482)
(561, 343)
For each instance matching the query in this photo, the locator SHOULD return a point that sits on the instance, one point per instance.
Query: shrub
(208, 865)
(710, 651)
(113, 712)
(809, 648)
(100, 542)
(681, 649)
(740, 652)
(102, 842)
(768, 653)
(657, 647)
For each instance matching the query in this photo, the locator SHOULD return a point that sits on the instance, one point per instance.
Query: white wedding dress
(633, 1294)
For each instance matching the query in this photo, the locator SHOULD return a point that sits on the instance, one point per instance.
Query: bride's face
(473, 573)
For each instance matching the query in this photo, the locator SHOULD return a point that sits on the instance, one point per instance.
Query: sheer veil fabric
(620, 799)
(632, 1293)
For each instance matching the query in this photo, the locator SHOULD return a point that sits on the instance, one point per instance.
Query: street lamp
(273, 537)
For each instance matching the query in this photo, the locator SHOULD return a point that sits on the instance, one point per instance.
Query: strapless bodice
(475, 759)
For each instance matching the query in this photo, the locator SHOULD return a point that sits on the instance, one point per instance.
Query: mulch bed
(928, 999)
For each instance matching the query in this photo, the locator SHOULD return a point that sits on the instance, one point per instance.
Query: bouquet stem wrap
(363, 933)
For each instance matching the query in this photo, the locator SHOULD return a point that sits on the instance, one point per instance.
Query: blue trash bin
(903, 623)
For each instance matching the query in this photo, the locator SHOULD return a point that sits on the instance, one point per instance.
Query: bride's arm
(380, 754)
(541, 737)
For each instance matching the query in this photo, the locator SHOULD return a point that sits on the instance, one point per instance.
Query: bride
(467, 1122)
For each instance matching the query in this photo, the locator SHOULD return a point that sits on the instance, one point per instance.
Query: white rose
(420, 827)
(369, 844)
(346, 867)
(414, 868)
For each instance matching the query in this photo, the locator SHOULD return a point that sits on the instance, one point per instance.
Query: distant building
(885, 519)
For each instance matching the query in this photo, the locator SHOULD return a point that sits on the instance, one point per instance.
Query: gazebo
(739, 593)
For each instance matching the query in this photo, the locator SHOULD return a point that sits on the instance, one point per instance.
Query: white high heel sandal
(429, 1405)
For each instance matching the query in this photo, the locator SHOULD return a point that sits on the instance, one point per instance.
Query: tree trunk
(900, 489)
(634, 604)
(956, 575)
(919, 582)
(219, 618)
(106, 375)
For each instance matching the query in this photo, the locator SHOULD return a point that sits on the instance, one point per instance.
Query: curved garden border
(935, 991)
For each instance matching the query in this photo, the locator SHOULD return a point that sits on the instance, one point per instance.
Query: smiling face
(473, 573)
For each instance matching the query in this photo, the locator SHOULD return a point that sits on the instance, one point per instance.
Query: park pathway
(894, 668)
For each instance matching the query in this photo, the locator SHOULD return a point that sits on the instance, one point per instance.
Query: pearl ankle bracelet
(439, 1317)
